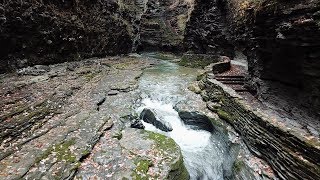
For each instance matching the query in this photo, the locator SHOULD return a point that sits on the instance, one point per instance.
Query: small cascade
(206, 152)
(202, 151)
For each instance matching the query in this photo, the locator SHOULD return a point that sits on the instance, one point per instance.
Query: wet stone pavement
(65, 121)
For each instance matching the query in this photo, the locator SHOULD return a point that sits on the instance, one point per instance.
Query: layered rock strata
(58, 122)
(206, 32)
(163, 24)
(280, 40)
(47, 32)
(293, 153)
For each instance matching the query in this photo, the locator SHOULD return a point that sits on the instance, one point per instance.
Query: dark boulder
(196, 120)
(149, 116)
(137, 124)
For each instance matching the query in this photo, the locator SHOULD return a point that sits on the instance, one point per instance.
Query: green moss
(162, 142)
(216, 122)
(117, 135)
(166, 144)
(224, 115)
(121, 66)
(76, 166)
(201, 76)
(40, 109)
(85, 152)
(62, 152)
(195, 62)
(238, 165)
(126, 65)
(16, 111)
(141, 170)
(178, 170)
(163, 56)
(194, 88)
(89, 76)
(38, 114)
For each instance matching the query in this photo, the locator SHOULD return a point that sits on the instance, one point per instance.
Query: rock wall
(46, 32)
(280, 39)
(283, 61)
(291, 155)
(163, 24)
(206, 32)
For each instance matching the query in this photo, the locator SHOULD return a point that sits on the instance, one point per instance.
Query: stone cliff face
(283, 61)
(163, 24)
(47, 32)
(291, 155)
(206, 32)
(43, 32)
(280, 39)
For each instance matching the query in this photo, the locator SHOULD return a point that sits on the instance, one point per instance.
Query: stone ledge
(199, 60)
(290, 154)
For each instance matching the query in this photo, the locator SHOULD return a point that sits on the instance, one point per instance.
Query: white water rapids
(162, 87)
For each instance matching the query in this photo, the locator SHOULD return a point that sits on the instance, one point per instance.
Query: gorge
(232, 86)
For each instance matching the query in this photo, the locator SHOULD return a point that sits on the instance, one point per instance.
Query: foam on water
(202, 157)
(161, 88)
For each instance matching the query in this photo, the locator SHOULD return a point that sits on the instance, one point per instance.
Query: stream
(162, 87)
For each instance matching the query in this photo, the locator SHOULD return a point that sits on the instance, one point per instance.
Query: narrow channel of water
(162, 87)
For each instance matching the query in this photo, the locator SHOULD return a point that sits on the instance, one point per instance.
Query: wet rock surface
(196, 120)
(72, 120)
(137, 124)
(198, 60)
(138, 154)
(149, 116)
(51, 128)
(291, 151)
(239, 162)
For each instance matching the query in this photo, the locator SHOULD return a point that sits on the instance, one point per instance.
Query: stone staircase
(236, 82)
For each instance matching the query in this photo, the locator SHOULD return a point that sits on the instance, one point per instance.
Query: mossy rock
(237, 166)
(165, 144)
(61, 151)
(164, 56)
(117, 135)
(198, 60)
(194, 88)
(141, 170)
(224, 115)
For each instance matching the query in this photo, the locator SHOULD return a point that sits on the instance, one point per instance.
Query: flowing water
(162, 87)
